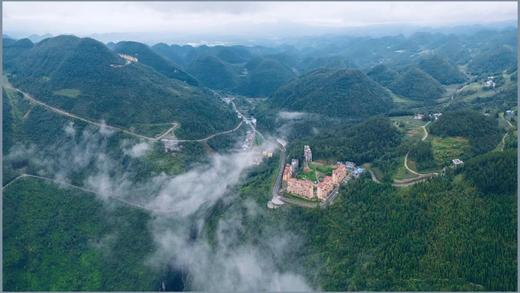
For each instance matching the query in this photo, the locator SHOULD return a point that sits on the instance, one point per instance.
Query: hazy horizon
(244, 22)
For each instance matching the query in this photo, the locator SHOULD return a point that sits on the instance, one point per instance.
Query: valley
(325, 163)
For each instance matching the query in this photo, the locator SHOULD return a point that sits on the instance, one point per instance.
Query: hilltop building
(324, 187)
(304, 188)
(309, 189)
(294, 165)
(128, 58)
(307, 153)
(457, 162)
(287, 173)
(339, 174)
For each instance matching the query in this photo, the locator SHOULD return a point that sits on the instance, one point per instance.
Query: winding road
(126, 131)
(420, 176)
(63, 183)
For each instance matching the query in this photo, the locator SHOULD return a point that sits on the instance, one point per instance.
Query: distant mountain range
(171, 80)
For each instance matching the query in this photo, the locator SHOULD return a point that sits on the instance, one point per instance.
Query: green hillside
(60, 239)
(121, 94)
(13, 48)
(482, 131)
(338, 93)
(438, 235)
(493, 60)
(264, 76)
(383, 75)
(440, 69)
(415, 84)
(148, 57)
(214, 73)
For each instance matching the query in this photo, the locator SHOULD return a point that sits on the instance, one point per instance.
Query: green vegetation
(121, 96)
(440, 69)
(383, 75)
(433, 238)
(416, 84)
(71, 93)
(337, 93)
(422, 155)
(58, 239)
(456, 231)
(493, 60)
(316, 172)
(264, 76)
(145, 55)
(481, 131)
(361, 143)
(409, 126)
(213, 73)
(487, 172)
(446, 149)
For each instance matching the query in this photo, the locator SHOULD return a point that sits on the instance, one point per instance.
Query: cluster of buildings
(128, 59)
(457, 162)
(353, 170)
(490, 82)
(170, 145)
(431, 116)
(307, 188)
(509, 114)
(248, 142)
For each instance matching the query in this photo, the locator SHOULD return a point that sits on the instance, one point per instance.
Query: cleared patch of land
(317, 170)
(71, 93)
(412, 128)
(448, 148)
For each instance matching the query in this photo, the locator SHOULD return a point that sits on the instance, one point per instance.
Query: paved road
(420, 176)
(157, 138)
(63, 183)
(174, 126)
(373, 176)
(425, 131)
(278, 182)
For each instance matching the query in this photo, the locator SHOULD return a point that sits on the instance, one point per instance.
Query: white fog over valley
(259, 146)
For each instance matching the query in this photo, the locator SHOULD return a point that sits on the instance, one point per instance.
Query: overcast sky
(244, 18)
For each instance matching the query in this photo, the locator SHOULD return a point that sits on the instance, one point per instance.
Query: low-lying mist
(214, 252)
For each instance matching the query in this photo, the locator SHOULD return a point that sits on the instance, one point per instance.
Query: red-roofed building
(324, 187)
(339, 174)
(287, 173)
(304, 188)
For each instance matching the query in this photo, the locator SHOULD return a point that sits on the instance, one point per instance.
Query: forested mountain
(438, 235)
(493, 60)
(482, 131)
(214, 73)
(83, 76)
(333, 62)
(263, 75)
(350, 98)
(440, 69)
(493, 173)
(360, 143)
(146, 56)
(181, 55)
(383, 75)
(338, 93)
(415, 84)
(14, 48)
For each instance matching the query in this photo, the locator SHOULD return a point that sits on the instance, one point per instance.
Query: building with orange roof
(339, 174)
(304, 188)
(324, 187)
